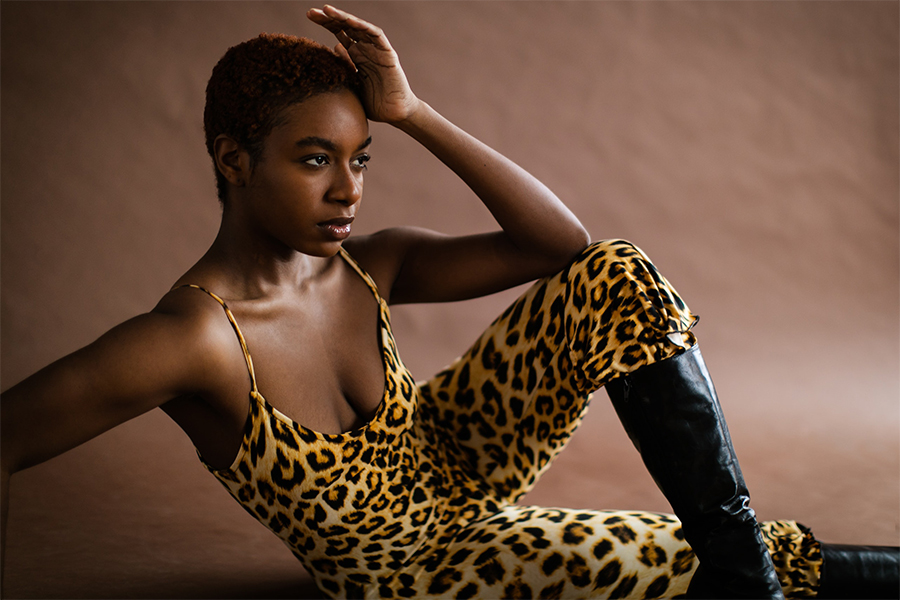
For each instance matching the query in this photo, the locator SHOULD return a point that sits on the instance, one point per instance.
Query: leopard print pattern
(797, 556)
(420, 502)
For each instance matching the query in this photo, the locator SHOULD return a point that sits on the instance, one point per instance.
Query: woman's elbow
(582, 240)
(575, 243)
(564, 251)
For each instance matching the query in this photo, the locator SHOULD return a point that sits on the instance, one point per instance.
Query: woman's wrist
(415, 119)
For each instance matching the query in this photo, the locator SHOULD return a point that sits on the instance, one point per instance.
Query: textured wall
(751, 148)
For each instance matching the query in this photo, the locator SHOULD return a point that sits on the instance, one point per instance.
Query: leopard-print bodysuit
(419, 502)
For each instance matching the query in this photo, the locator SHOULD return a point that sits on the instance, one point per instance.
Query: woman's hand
(539, 234)
(387, 96)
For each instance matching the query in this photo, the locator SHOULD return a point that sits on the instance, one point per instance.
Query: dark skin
(309, 320)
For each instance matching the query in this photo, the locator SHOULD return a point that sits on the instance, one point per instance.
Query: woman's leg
(672, 415)
(511, 403)
(532, 552)
(859, 571)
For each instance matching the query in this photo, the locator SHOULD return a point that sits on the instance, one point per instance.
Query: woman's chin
(325, 249)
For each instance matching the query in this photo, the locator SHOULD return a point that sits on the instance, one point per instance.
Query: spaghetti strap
(234, 326)
(365, 276)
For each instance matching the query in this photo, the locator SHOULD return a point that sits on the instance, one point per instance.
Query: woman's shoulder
(194, 308)
(200, 298)
(202, 330)
(381, 254)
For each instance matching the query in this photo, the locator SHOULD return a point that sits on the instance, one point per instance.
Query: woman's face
(305, 189)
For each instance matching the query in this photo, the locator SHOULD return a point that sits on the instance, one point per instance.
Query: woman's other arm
(135, 367)
(538, 236)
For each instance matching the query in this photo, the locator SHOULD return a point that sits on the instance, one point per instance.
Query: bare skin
(309, 320)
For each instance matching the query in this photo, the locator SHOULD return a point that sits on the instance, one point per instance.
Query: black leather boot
(859, 572)
(670, 411)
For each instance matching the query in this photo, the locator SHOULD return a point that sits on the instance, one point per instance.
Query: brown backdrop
(751, 148)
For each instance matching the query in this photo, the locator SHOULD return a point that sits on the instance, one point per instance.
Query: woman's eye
(360, 161)
(316, 161)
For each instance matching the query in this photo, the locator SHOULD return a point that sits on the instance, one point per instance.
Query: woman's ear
(232, 161)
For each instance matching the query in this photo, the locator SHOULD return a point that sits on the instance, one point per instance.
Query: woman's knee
(604, 260)
(615, 279)
(621, 311)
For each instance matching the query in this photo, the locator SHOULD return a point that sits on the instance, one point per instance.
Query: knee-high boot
(672, 415)
(859, 572)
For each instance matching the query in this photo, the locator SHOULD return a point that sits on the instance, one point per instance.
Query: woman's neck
(255, 266)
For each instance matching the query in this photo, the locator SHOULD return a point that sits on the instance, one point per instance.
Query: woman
(391, 494)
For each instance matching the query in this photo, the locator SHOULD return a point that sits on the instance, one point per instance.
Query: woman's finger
(345, 36)
(320, 18)
(345, 40)
(342, 52)
(349, 19)
(336, 20)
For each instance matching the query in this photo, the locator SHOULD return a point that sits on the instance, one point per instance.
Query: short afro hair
(255, 80)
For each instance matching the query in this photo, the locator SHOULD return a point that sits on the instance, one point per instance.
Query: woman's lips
(337, 229)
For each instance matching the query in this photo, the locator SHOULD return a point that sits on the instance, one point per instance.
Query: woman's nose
(346, 187)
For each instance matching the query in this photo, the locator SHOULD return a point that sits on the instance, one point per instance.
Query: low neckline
(383, 327)
(385, 336)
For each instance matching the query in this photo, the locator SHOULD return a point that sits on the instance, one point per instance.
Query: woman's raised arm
(539, 234)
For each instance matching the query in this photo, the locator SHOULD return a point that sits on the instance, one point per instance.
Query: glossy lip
(338, 229)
